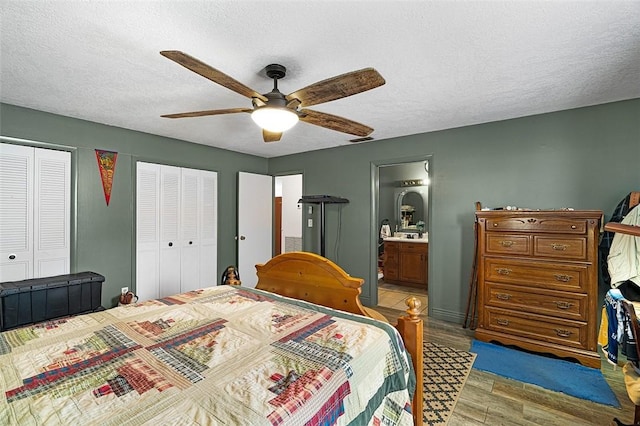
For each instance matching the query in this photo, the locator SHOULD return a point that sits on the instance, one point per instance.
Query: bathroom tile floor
(393, 296)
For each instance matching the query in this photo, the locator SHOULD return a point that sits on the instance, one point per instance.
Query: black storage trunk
(40, 299)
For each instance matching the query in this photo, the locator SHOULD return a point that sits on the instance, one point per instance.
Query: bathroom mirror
(411, 208)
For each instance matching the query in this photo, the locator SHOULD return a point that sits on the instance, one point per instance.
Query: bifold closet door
(35, 212)
(170, 245)
(176, 230)
(208, 219)
(52, 213)
(147, 230)
(189, 230)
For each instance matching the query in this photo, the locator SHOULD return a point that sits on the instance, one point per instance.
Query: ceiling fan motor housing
(276, 71)
(276, 98)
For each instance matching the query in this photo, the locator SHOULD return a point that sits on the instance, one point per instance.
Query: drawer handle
(563, 278)
(532, 220)
(562, 333)
(12, 256)
(503, 271)
(559, 247)
(502, 322)
(563, 305)
(506, 243)
(573, 227)
(503, 296)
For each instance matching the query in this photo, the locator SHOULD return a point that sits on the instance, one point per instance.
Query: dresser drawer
(537, 224)
(499, 243)
(537, 274)
(538, 327)
(574, 248)
(544, 302)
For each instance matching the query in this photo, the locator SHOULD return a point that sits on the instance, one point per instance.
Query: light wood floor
(488, 399)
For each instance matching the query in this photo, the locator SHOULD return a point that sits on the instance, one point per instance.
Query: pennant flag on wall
(107, 166)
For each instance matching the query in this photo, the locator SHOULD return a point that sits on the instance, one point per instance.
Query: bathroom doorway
(402, 214)
(287, 214)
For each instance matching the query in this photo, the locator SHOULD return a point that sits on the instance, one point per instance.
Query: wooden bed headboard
(313, 278)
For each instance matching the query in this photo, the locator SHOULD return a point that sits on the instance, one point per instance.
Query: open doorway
(287, 214)
(403, 219)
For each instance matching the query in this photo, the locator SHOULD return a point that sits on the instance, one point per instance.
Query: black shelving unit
(322, 200)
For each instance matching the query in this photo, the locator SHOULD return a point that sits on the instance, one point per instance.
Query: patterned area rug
(445, 373)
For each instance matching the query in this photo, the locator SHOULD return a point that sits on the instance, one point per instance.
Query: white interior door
(255, 224)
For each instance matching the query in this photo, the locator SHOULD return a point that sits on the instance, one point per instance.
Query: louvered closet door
(147, 230)
(16, 212)
(208, 217)
(189, 230)
(176, 230)
(199, 230)
(35, 208)
(170, 269)
(52, 213)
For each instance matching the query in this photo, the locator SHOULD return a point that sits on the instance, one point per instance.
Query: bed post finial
(414, 307)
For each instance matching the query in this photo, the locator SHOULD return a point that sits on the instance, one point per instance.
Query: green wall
(104, 234)
(587, 158)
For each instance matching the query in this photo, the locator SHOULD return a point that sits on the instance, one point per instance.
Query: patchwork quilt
(218, 356)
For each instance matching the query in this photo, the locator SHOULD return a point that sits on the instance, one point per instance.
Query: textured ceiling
(446, 63)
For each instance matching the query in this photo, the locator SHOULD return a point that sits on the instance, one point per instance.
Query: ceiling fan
(276, 112)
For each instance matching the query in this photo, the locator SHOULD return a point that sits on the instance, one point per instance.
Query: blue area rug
(550, 373)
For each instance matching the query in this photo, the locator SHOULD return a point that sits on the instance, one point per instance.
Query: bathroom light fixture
(274, 119)
(427, 180)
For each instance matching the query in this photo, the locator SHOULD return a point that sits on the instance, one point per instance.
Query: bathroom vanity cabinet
(405, 262)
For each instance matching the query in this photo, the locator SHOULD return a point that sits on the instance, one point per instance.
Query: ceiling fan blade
(207, 71)
(338, 87)
(334, 122)
(271, 136)
(207, 112)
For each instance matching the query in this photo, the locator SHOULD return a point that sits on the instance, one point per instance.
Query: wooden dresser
(538, 281)
(406, 262)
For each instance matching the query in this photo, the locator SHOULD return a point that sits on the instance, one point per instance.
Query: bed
(299, 349)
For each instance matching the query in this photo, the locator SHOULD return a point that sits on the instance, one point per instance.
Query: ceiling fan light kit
(275, 112)
(274, 119)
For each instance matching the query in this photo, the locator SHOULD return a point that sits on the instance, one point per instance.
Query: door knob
(242, 238)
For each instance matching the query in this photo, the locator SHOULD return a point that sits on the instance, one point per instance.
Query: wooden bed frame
(315, 279)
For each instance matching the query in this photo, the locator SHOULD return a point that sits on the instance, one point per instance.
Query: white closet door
(189, 230)
(170, 273)
(16, 212)
(176, 230)
(52, 213)
(208, 229)
(147, 230)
